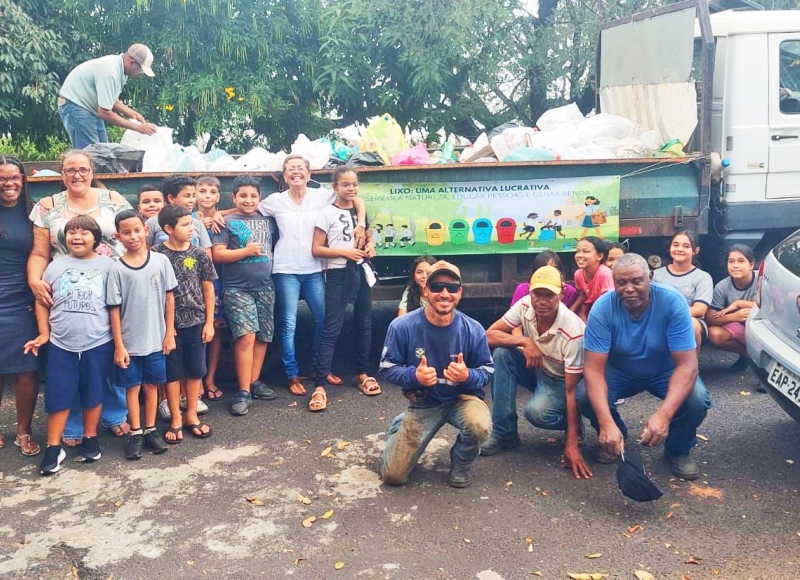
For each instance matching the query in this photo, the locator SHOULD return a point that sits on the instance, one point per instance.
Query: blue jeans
(683, 427)
(83, 126)
(290, 288)
(411, 432)
(546, 409)
(115, 411)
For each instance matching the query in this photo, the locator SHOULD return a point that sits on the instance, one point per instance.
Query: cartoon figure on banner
(529, 226)
(377, 237)
(388, 237)
(593, 218)
(554, 225)
(406, 237)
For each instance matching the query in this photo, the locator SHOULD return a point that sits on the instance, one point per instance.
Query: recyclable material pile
(563, 133)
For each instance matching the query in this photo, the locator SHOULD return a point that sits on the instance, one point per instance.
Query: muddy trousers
(410, 433)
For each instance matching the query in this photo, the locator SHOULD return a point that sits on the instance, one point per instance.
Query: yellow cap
(549, 278)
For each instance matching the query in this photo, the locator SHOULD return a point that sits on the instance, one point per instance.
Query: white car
(773, 328)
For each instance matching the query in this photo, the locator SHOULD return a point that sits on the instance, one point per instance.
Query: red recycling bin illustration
(506, 230)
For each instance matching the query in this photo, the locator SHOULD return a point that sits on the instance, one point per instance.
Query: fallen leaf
(716, 571)
(118, 503)
(75, 572)
(702, 491)
(702, 437)
(307, 441)
(593, 556)
(309, 521)
(530, 540)
(255, 501)
(551, 439)
(382, 418)
(303, 499)
(298, 560)
(326, 452)
(674, 505)
(643, 575)
(584, 576)
(327, 515)
(538, 573)
(190, 562)
(544, 494)
(509, 483)
(669, 515)
(693, 560)
(634, 528)
(744, 393)
(343, 445)
(338, 565)
(467, 540)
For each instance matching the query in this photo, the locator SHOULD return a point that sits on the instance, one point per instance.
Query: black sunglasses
(451, 287)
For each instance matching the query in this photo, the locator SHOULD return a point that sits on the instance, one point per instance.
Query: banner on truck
(478, 217)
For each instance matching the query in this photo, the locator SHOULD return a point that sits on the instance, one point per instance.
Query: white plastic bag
(561, 136)
(568, 115)
(254, 160)
(594, 151)
(317, 152)
(509, 140)
(155, 147)
(605, 127)
(479, 149)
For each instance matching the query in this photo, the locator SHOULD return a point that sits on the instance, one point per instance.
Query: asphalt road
(186, 514)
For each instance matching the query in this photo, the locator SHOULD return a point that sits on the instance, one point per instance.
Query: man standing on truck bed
(90, 96)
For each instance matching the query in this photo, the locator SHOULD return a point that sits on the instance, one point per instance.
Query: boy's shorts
(150, 369)
(71, 373)
(736, 329)
(188, 360)
(250, 311)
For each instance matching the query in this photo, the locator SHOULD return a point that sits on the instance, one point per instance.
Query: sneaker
(240, 403)
(683, 466)
(54, 455)
(90, 449)
(163, 411)
(154, 442)
(740, 367)
(133, 450)
(202, 408)
(495, 445)
(262, 392)
(606, 458)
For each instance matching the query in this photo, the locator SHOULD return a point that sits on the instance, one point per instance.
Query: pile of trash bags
(563, 133)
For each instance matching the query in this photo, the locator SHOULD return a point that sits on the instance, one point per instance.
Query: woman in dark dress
(17, 320)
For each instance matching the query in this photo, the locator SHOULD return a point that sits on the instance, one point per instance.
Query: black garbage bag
(114, 158)
(365, 159)
(334, 161)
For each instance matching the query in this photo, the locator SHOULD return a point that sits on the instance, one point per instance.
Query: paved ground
(186, 514)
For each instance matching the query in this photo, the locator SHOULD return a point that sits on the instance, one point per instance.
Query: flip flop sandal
(214, 394)
(199, 434)
(332, 379)
(370, 387)
(178, 433)
(297, 388)
(118, 431)
(71, 443)
(23, 441)
(319, 401)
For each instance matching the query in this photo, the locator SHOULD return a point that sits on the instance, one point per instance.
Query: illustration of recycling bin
(482, 231)
(434, 233)
(547, 235)
(506, 230)
(459, 232)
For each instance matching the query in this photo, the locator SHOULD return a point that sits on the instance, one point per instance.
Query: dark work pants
(335, 310)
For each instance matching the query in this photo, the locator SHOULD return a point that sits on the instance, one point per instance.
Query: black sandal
(199, 429)
(177, 432)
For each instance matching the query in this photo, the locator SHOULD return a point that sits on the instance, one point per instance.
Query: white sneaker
(202, 408)
(163, 411)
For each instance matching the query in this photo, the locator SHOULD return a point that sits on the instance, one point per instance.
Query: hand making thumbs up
(457, 372)
(426, 376)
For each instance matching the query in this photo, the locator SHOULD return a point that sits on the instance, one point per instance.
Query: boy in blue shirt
(441, 360)
(142, 310)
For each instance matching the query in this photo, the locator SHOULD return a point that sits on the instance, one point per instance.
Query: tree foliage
(262, 71)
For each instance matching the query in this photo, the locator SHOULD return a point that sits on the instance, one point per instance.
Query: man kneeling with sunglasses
(441, 360)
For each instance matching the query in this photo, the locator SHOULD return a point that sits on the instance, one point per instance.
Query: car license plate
(785, 381)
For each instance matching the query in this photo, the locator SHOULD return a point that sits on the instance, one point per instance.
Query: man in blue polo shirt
(90, 96)
(441, 360)
(640, 338)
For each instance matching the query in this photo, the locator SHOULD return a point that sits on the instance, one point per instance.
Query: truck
(727, 83)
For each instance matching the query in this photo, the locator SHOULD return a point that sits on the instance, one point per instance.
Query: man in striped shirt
(547, 359)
